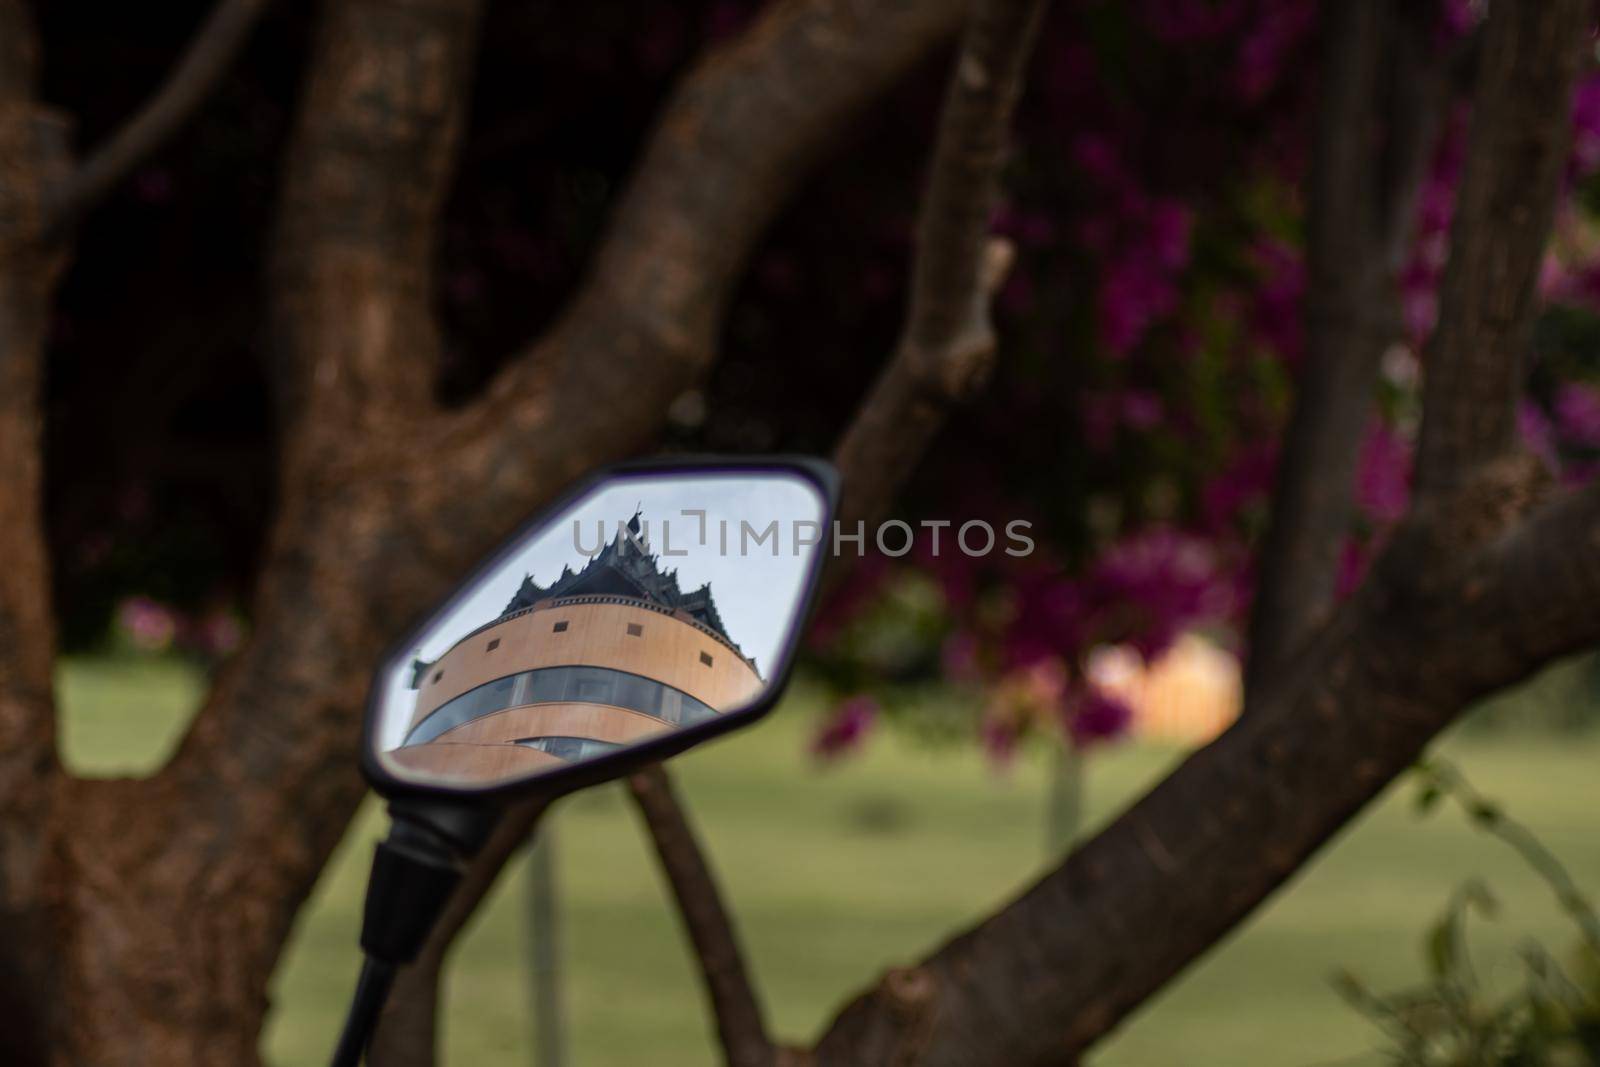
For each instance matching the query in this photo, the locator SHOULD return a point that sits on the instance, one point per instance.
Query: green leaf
(1428, 798)
(1485, 814)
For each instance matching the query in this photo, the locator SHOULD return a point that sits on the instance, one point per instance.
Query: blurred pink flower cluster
(1164, 262)
(147, 625)
(1020, 633)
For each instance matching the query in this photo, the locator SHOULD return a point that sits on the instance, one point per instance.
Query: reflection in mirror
(652, 604)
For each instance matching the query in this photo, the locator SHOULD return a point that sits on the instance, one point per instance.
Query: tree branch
(32, 153)
(945, 353)
(1520, 131)
(369, 163)
(947, 348)
(1062, 964)
(1384, 83)
(263, 785)
(207, 58)
(740, 1024)
(27, 623)
(737, 137)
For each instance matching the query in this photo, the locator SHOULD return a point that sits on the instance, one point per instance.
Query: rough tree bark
(169, 924)
(172, 926)
(30, 139)
(1475, 364)
(1383, 89)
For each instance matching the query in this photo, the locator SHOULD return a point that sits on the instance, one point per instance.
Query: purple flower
(999, 740)
(958, 657)
(1275, 316)
(1354, 559)
(1135, 292)
(1148, 588)
(1538, 436)
(1169, 223)
(726, 19)
(1026, 227)
(1458, 17)
(1266, 51)
(154, 186)
(1577, 411)
(1097, 418)
(1141, 410)
(1383, 473)
(846, 728)
(1049, 618)
(1244, 482)
(219, 633)
(148, 625)
(1586, 125)
(1098, 717)
(1071, 72)
(1097, 157)
(1191, 21)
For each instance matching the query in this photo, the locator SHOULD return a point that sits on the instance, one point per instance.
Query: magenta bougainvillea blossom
(1383, 475)
(1577, 411)
(846, 727)
(1157, 206)
(146, 624)
(1098, 717)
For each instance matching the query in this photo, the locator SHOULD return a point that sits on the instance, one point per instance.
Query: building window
(635, 630)
(493, 645)
(560, 627)
(561, 685)
(436, 676)
(705, 657)
(571, 749)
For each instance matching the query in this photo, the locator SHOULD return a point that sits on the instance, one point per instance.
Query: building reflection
(604, 657)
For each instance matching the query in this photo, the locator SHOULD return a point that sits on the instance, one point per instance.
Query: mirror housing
(670, 584)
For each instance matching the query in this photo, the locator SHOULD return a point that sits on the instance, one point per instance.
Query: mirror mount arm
(414, 872)
(459, 826)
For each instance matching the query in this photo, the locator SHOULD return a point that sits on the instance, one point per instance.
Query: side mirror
(655, 606)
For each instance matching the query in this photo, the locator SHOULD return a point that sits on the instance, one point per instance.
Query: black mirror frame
(556, 783)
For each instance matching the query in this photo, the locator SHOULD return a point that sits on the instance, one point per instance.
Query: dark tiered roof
(621, 568)
(624, 568)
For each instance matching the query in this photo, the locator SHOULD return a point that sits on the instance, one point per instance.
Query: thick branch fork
(1059, 966)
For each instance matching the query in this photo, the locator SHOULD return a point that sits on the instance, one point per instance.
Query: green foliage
(1454, 1017)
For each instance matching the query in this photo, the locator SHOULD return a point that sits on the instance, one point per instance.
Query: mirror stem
(414, 871)
(372, 990)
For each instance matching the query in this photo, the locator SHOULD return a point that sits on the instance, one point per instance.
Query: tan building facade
(568, 678)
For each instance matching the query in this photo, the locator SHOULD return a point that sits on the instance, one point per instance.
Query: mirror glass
(654, 603)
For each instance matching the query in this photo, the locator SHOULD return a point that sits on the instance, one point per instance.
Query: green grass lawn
(837, 874)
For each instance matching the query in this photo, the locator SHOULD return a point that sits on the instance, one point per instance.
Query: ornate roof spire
(634, 574)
